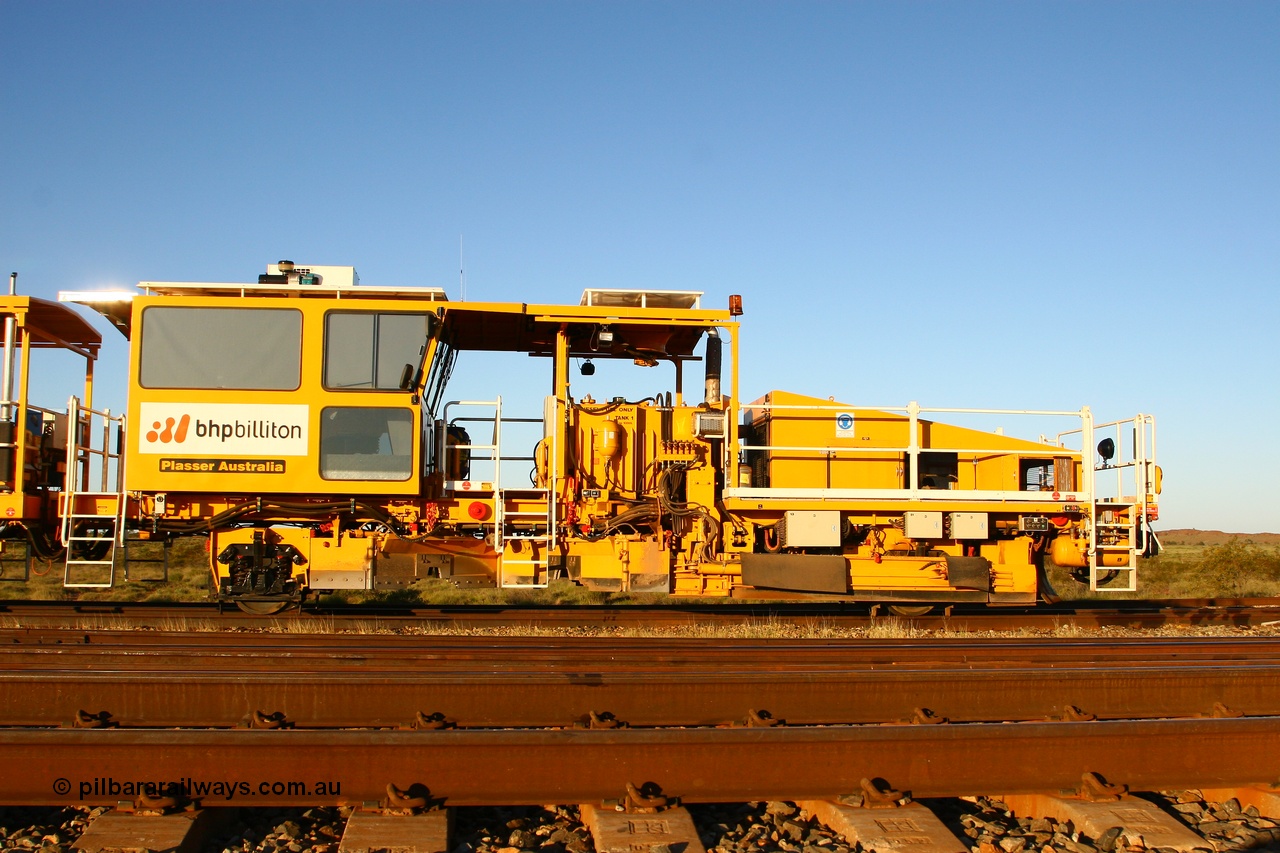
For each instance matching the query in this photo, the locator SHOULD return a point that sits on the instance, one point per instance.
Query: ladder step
(108, 523)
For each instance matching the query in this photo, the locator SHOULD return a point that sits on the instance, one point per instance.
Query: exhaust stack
(714, 347)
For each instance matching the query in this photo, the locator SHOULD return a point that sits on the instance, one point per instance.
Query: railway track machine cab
(307, 425)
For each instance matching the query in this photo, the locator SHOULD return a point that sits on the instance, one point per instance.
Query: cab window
(373, 443)
(248, 349)
(367, 350)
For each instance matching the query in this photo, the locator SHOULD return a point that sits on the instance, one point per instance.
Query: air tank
(612, 436)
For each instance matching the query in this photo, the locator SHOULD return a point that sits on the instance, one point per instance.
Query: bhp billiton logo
(168, 434)
(240, 430)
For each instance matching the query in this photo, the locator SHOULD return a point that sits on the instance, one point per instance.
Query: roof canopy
(646, 325)
(52, 325)
(593, 331)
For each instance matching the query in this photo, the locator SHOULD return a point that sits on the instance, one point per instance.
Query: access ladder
(524, 523)
(92, 519)
(1122, 507)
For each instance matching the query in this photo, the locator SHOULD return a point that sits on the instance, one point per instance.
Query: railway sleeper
(410, 821)
(1136, 820)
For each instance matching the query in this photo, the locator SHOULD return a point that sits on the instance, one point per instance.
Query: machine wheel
(1081, 576)
(910, 609)
(93, 549)
(264, 608)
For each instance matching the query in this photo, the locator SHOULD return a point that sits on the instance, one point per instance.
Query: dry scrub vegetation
(1236, 568)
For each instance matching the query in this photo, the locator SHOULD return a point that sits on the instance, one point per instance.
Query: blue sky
(1012, 205)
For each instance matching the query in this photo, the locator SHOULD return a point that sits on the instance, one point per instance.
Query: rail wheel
(91, 544)
(1081, 576)
(910, 609)
(264, 608)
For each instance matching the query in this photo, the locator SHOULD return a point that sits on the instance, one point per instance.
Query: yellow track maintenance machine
(307, 426)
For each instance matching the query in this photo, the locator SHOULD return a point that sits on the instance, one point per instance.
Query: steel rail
(513, 767)
(487, 682)
(37, 649)
(484, 700)
(635, 662)
(16, 641)
(1087, 614)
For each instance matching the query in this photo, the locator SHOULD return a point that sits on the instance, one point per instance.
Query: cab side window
(367, 351)
(368, 443)
(246, 349)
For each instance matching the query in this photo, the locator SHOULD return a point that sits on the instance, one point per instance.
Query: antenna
(462, 270)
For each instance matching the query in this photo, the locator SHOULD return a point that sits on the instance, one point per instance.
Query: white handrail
(80, 459)
(913, 449)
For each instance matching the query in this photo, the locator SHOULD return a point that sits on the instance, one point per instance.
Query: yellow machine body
(307, 425)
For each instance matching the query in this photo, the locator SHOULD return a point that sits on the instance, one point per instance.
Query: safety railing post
(106, 447)
(913, 448)
(1087, 470)
(499, 502)
(72, 483)
(1086, 451)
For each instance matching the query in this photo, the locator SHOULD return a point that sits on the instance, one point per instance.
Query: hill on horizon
(1192, 536)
